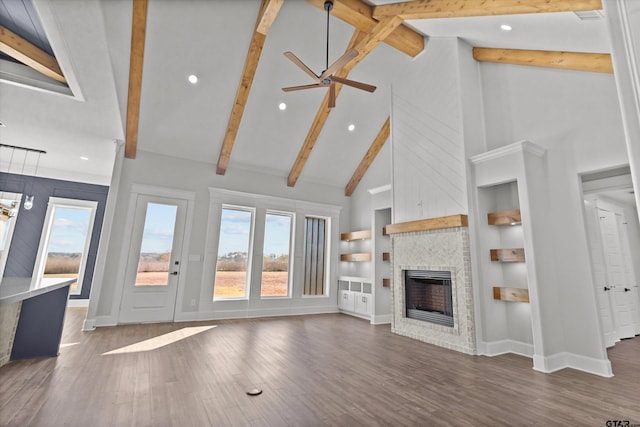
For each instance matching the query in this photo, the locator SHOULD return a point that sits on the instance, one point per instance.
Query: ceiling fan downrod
(328, 5)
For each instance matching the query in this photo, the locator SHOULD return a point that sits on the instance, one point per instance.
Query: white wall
(576, 117)
(162, 171)
(361, 212)
(429, 167)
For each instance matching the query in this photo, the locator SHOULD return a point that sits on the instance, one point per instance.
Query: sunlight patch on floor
(161, 341)
(68, 344)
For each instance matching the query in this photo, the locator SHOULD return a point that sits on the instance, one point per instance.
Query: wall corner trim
(558, 361)
(517, 147)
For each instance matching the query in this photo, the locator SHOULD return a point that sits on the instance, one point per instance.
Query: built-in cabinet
(355, 296)
(365, 267)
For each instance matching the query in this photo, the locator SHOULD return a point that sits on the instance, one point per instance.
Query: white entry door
(153, 267)
(631, 286)
(616, 274)
(600, 274)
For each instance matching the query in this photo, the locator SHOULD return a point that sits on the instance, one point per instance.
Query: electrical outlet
(193, 302)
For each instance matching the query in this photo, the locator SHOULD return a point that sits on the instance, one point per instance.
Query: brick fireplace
(420, 248)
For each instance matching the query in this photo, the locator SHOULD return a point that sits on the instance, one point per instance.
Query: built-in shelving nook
(507, 255)
(506, 309)
(363, 284)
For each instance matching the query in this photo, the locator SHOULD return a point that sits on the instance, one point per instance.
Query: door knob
(606, 288)
(174, 273)
(627, 289)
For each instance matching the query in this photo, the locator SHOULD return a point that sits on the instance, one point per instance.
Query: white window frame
(4, 252)
(53, 204)
(292, 236)
(247, 284)
(210, 308)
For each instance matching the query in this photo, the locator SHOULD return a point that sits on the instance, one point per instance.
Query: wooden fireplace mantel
(450, 221)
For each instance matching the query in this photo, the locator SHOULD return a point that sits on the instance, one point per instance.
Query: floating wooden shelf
(504, 218)
(356, 235)
(507, 255)
(364, 256)
(450, 221)
(511, 294)
(386, 256)
(386, 283)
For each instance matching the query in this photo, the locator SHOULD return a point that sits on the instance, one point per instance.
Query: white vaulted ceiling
(91, 40)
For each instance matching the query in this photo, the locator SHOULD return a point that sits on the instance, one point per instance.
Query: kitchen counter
(31, 317)
(14, 289)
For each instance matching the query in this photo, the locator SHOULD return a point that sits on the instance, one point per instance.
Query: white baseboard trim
(563, 360)
(251, 313)
(354, 314)
(78, 303)
(89, 325)
(99, 321)
(381, 319)
(495, 348)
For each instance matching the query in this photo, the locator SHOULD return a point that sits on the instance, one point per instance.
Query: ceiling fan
(327, 77)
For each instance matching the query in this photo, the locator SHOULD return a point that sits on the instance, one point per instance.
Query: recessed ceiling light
(282, 106)
(351, 127)
(193, 79)
(505, 27)
(84, 158)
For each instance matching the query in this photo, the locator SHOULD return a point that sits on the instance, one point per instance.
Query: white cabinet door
(346, 300)
(363, 303)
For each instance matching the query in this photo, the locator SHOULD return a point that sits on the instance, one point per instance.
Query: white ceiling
(210, 39)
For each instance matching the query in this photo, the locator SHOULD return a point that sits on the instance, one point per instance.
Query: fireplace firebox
(428, 296)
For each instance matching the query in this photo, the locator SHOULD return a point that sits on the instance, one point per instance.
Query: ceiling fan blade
(332, 95)
(301, 64)
(292, 88)
(357, 85)
(340, 62)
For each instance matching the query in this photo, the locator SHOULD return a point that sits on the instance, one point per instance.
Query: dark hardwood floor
(313, 370)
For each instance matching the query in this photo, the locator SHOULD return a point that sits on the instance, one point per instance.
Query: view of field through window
(66, 244)
(157, 242)
(233, 258)
(233, 250)
(275, 255)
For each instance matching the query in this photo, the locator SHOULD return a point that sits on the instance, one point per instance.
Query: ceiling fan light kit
(327, 77)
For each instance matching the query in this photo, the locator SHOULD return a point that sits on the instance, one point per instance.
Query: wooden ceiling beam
(320, 119)
(363, 43)
(359, 15)
(368, 158)
(136, 61)
(426, 9)
(268, 11)
(577, 61)
(29, 54)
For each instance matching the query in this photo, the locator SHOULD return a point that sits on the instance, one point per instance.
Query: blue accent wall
(22, 255)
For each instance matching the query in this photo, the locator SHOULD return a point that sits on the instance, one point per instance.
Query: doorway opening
(613, 234)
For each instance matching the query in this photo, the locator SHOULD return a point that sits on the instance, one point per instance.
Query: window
(315, 243)
(65, 240)
(156, 245)
(234, 249)
(275, 255)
